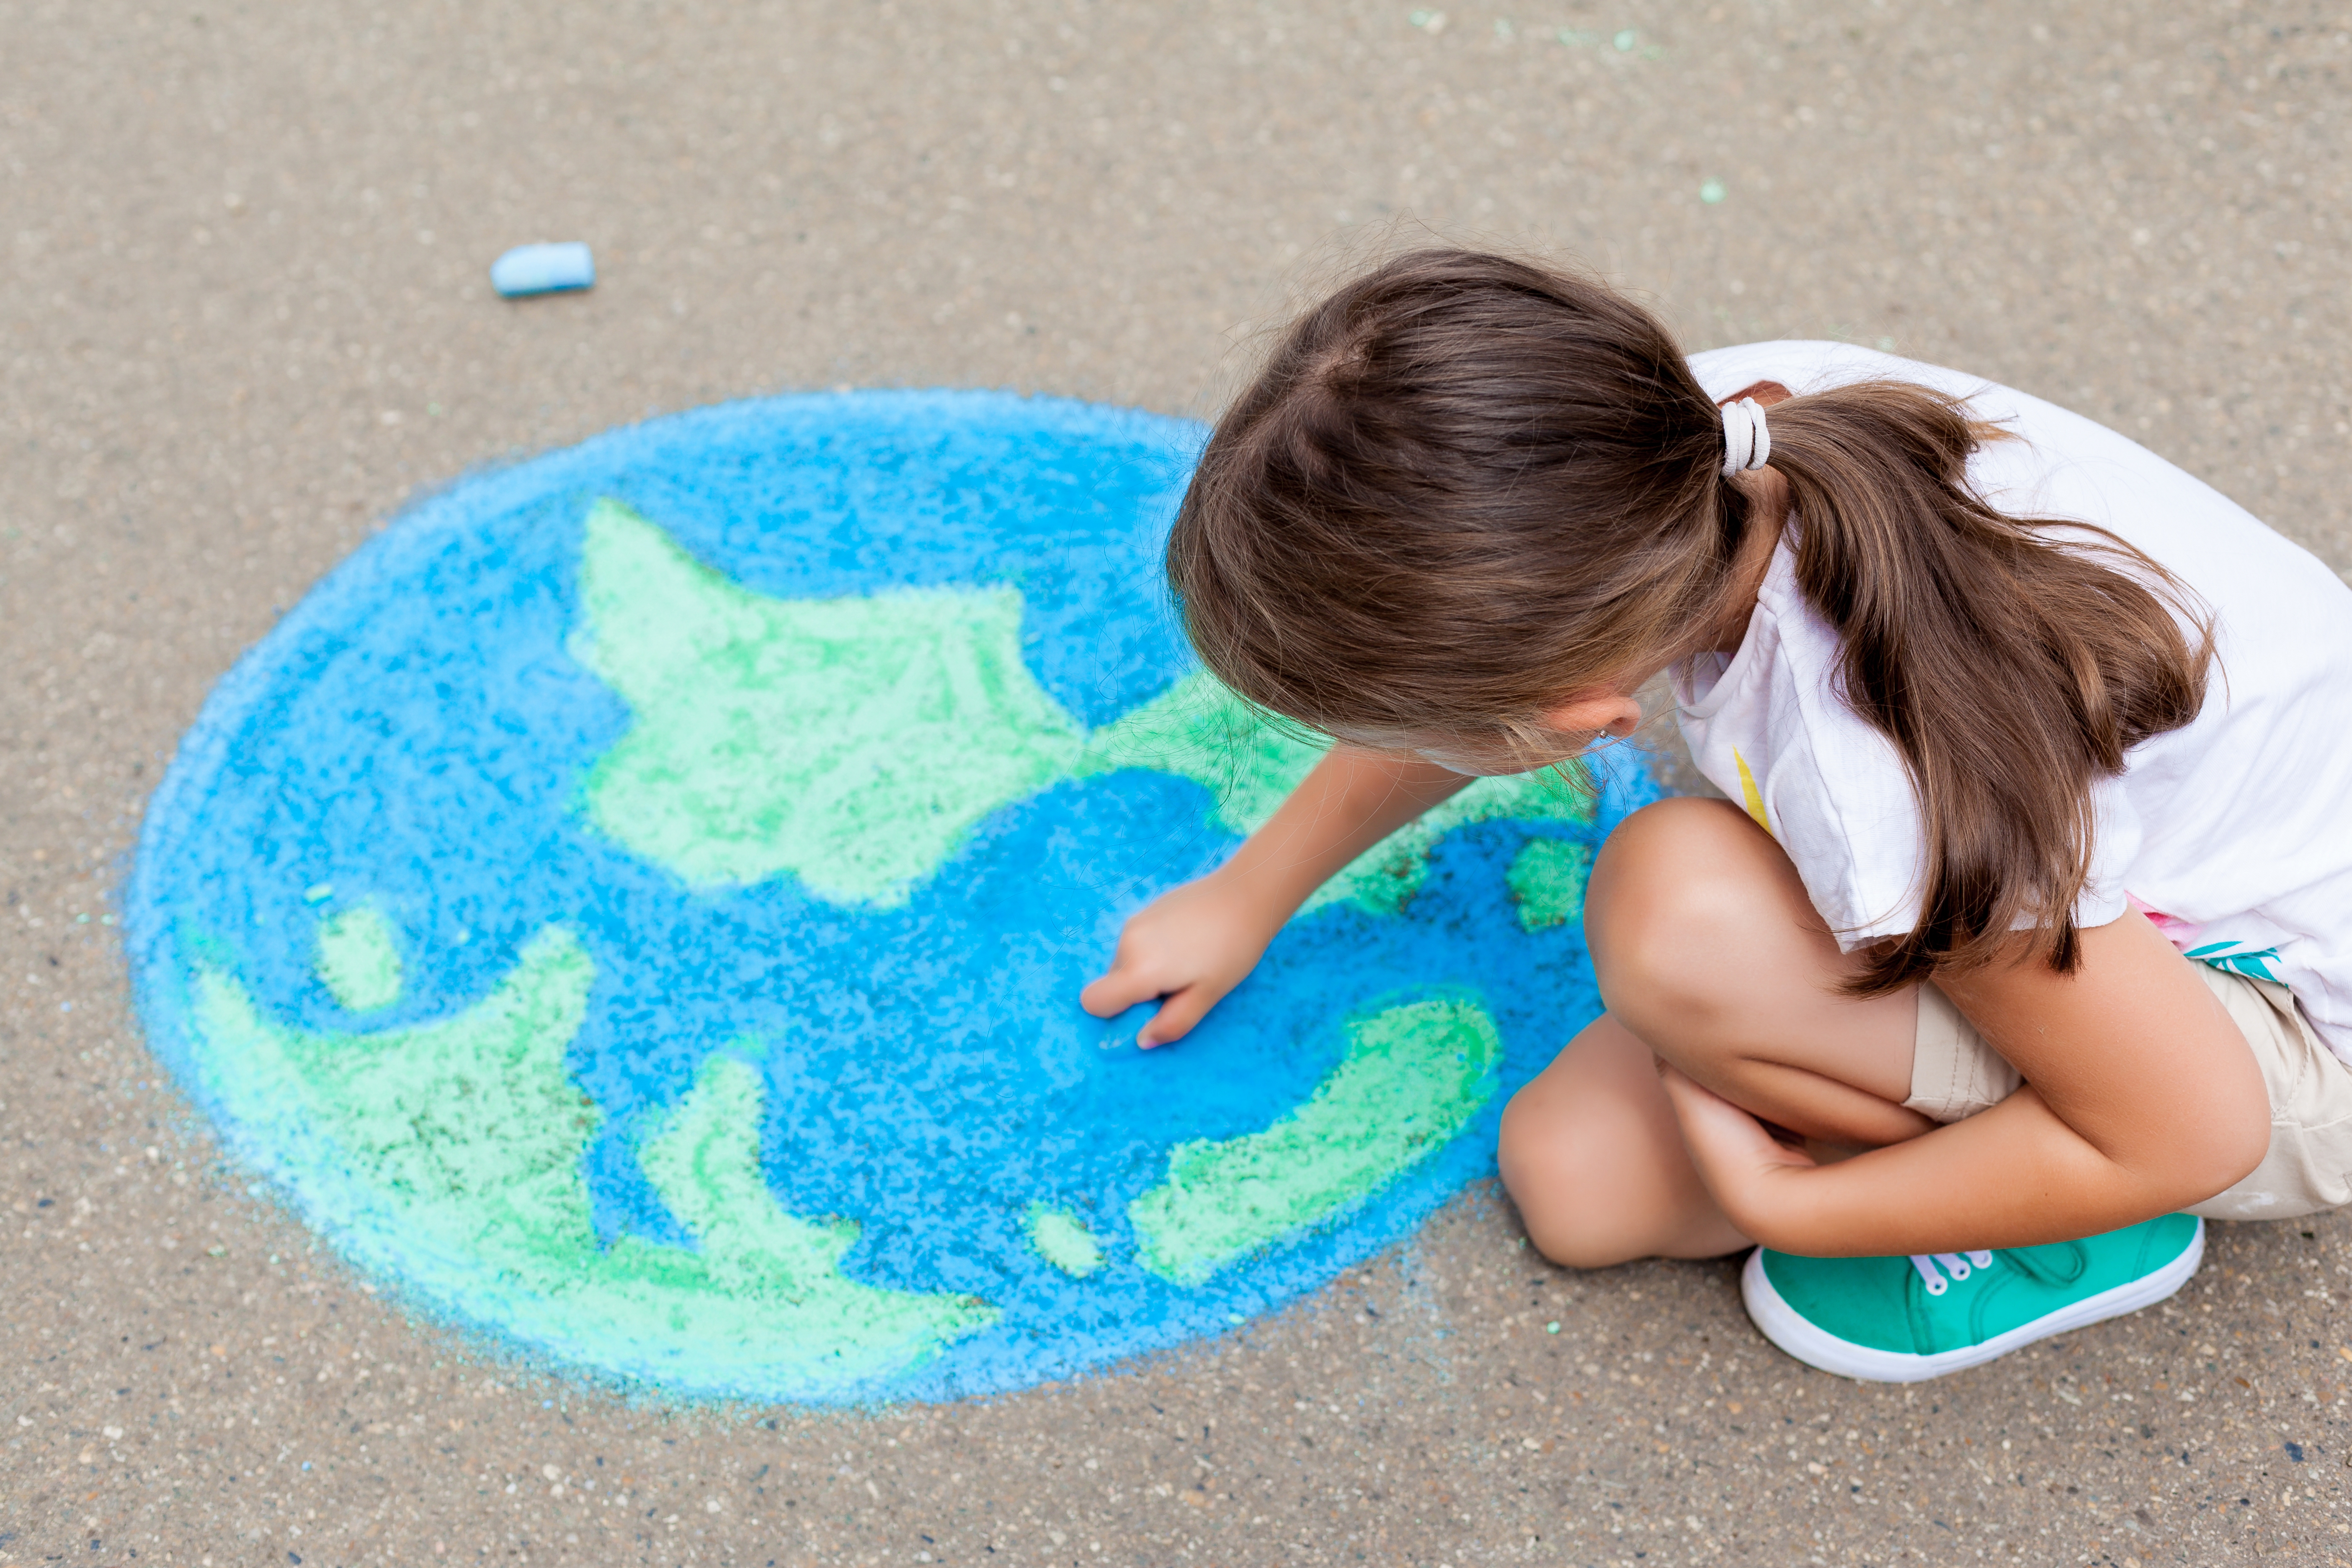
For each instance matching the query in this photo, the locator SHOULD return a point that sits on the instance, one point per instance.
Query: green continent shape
(705, 1163)
(852, 743)
(1200, 731)
(1062, 1239)
(1413, 1078)
(467, 1134)
(1546, 881)
(358, 962)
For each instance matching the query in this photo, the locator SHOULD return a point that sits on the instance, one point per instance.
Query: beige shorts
(1954, 1075)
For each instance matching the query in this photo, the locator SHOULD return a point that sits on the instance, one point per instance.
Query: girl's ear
(1617, 713)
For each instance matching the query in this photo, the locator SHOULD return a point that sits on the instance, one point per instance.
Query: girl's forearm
(2015, 1175)
(1350, 801)
(2144, 1099)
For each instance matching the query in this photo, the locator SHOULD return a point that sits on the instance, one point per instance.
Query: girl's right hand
(1188, 947)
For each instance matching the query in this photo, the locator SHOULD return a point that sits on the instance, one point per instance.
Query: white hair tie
(1746, 444)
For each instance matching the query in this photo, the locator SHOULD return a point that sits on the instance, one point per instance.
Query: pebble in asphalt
(245, 317)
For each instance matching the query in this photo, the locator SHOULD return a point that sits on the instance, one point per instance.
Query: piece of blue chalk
(543, 269)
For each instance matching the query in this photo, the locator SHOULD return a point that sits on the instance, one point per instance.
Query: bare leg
(1710, 956)
(1591, 1154)
(1708, 950)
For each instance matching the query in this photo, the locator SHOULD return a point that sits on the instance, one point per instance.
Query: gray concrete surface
(244, 315)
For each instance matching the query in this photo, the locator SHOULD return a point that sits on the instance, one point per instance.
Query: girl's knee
(1575, 1235)
(1681, 829)
(1673, 894)
(1563, 1182)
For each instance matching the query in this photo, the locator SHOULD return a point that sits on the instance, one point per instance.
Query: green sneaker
(1904, 1319)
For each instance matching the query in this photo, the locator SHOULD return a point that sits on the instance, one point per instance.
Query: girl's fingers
(1115, 993)
(1691, 1096)
(1718, 1134)
(1177, 1015)
(1695, 1110)
(1745, 1171)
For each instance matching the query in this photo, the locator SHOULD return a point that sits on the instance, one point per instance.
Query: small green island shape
(1062, 1239)
(1413, 1078)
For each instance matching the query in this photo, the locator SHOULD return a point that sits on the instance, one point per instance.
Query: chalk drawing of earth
(636, 908)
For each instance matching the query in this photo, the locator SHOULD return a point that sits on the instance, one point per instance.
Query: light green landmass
(357, 960)
(467, 1136)
(1062, 1239)
(1546, 881)
(852, 743)
(1200, 731)
(706, 1166)
(1412, 1078)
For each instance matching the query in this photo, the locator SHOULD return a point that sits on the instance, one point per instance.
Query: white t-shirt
(2235, 832)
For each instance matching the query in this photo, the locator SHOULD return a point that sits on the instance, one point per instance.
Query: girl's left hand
(1752, 1175)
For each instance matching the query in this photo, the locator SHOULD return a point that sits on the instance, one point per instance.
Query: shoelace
(1958, 1265)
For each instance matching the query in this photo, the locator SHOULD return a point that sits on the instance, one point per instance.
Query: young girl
(2011, 712)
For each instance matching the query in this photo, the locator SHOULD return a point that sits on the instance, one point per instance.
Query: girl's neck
(1767, 511)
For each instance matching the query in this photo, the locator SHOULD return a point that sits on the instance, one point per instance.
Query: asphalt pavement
(245, 316)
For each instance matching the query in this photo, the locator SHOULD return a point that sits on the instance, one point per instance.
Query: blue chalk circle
(543, 269)
(636, 908)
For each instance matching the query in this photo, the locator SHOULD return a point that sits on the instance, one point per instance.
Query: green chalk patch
(1198, 730)
(358, 960)
(1546, 881)
(706, 1166)
(805, 736)
(1413, 1078)
(1062, 1239)
(470, 1132)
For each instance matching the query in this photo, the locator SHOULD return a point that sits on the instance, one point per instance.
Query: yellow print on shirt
(1748, 794)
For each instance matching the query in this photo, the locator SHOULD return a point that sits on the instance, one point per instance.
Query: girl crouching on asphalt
(2025, 937)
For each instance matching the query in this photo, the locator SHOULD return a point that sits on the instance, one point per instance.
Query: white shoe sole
(1785, 1327)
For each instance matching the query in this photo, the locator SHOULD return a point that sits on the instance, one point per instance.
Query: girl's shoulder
(1803, 365)
(1806, 365)
(2057, 465)
(2047, 437)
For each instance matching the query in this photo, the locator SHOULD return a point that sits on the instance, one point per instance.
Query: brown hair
(1465, 487)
